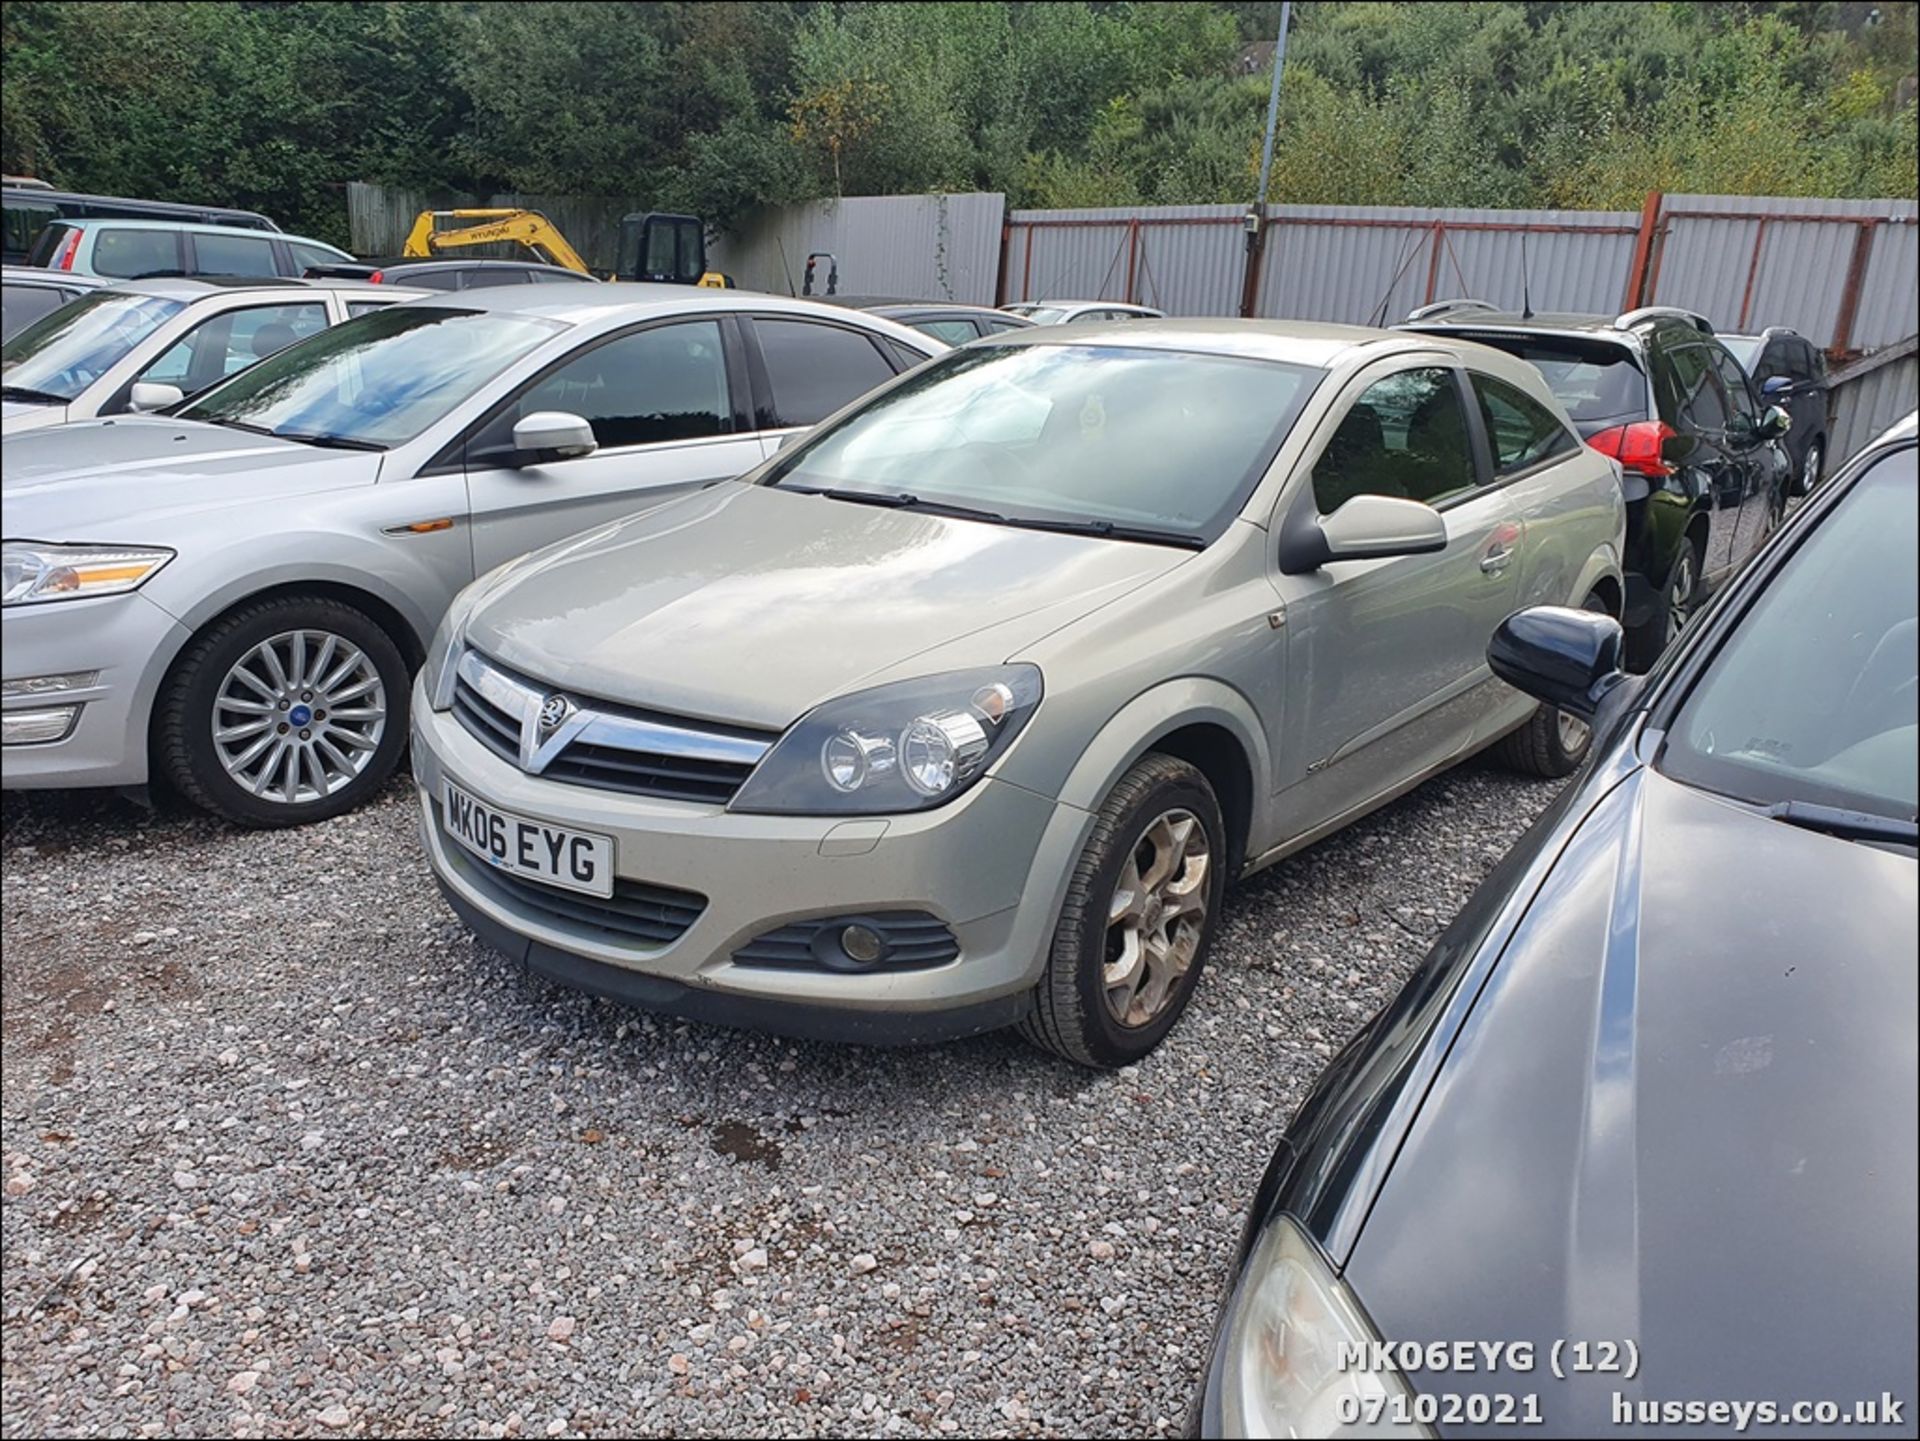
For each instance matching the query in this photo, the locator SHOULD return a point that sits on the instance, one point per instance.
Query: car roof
(197, 287)
(40, 275)
(1296, 342)
(192, 227)
(577, 304)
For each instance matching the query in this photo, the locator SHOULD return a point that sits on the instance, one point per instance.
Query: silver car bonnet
(23, 415)
(750, 604)
(106, 479)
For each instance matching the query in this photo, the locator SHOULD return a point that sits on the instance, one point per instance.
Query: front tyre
(285, 711)
(1141, 909)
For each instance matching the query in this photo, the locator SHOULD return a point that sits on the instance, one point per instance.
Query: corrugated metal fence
(379, 217)
(915, 247)
(1866, 397)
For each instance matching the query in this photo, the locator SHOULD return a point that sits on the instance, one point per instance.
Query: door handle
(1495, 561)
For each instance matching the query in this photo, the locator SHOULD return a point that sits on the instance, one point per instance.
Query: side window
(1800, 360)
(1405, 436)
(305, 255)
(1698, 399)
(1521, 430)
(233, 255)
(663, 384)
(954, 332)
(24, 224)
(223, 344)
(995, 327)
(488, 276)
(21, 305)
(129, 253)
(361, 307)
(815, 369)
(1746, 411)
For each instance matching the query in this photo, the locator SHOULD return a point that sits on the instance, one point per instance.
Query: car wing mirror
(1775, 423)
(1565, 657)
(544, 437)
(1366, 527)
(148, 395)
(1775, 386)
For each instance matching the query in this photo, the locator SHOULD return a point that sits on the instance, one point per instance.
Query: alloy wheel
(1156, 917)
(1680, 601)
(1810, 470)
(299, 716)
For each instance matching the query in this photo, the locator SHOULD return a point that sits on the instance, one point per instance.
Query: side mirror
(1367, 527)
(1565, 657)
(151, 395)
(1775, 386)
(549, 435)
(1775, 423)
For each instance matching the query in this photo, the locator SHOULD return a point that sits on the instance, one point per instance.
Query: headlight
(1283, 1370)
(909, 746)
(443, 652)
(31, 574)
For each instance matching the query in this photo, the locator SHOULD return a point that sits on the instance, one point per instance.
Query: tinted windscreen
(65, 352)
(1136, 437)
(378, 380)
(1812, 698)
(1595, 381)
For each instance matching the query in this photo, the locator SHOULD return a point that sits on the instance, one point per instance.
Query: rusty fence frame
(1651, 235)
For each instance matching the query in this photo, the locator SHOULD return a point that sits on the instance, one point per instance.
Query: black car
(943, 320)
(1706, 475)
(437, 274)
(1640, 1133)
(1790, 372)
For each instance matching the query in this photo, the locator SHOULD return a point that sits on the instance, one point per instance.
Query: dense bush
(714, 107)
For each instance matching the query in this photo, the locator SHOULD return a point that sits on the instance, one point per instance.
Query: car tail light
(377, 277)
(69, 247)
(1638, 447)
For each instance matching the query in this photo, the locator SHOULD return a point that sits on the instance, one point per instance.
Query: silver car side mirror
(152, 395)
(549, 435)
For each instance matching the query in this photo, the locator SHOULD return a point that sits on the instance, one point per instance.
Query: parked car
(1065, 312)
(281, 547)
(777, 754)
(1659, 1076)
(944, 321)
(147, 344)
(136, 249)
(1791, 372)
(1705, 470)
(27, 294)
(441, 274)
(29, 206)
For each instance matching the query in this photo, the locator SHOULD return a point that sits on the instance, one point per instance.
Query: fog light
(862, 944)
(49, 684)
(38, 727)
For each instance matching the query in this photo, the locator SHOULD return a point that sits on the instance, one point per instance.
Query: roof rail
(1660, 312)
(1446, 307)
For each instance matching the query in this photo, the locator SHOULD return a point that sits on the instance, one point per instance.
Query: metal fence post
(1856, 281)
(1635, 294)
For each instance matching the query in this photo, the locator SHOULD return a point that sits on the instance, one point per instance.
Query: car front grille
(636, 911)
(607, 747)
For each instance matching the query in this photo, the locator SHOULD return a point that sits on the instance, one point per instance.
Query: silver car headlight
(443, 652)
(1296, 1350)
(908, 746)
(32, 573)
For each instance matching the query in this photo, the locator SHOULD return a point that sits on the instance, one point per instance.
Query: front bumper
(991, 866)
(129, 641)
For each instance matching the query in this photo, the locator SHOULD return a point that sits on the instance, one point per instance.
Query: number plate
(554, 855)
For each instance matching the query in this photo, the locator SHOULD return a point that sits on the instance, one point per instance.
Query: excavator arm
(432, 234)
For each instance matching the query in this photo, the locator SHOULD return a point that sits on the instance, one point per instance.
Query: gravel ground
(287, 1153)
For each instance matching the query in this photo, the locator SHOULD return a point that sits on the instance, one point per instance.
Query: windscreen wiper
(1116, 530)
(329, 442)
(1847, 824)
(223, 422)
(28, 393)
(901, 500)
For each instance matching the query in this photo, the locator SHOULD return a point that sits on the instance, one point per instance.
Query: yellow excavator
(654, 245)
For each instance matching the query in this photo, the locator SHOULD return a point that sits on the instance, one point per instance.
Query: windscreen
(1812, 698)
(1130, 436)
(378, 380)
(60, 355)
(1743, 348)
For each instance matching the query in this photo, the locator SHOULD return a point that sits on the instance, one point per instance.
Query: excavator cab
(665, 248)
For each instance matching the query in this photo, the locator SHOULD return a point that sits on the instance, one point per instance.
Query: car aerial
(231, 597)
(962, 711)
(945, 321)
(27, 294)
(1065, 312)
(1651, 1096)
(133, 249)
(1790, 371)
(29, 206)
(1705, 473)
(441, 274)
(140, 345)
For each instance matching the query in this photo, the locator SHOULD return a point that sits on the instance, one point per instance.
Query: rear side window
(130, 253)
(233, 255)
(1695, 397)
(21, 305)
(815, 369)
(953, 332)
(1597, 381)
(662, 384)
(1739, 394)
(305, 255)
(1406, 437)
(1522, 432)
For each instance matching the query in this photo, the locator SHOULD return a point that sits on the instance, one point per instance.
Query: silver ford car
(232, 597)
(962, 710)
